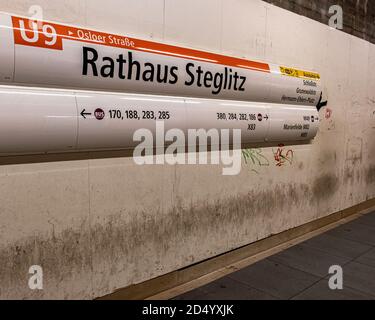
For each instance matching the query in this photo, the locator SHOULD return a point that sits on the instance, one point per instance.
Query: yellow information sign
(299, 73)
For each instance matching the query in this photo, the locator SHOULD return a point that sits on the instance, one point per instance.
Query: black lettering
(87, 61)
(191, 75)
(230, 79)
(159, 77)
(235, 81)
(110, 67)
(225, 77)
(148, 75)
(218, 82)
(199, 73)
(131, 65)
(242, 84)
(208, 79)
(121, 61)
(173, 73)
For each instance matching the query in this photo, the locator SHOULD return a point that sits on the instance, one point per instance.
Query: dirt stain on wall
(116, 245)
(370, 175)
(325, 187)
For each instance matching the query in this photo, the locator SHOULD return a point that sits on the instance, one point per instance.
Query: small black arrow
(321, 104)
(84, 113)
(266, 117)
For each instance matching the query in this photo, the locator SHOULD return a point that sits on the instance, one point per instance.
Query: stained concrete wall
(99, 224)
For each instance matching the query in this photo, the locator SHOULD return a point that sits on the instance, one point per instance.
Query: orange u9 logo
(31, 33)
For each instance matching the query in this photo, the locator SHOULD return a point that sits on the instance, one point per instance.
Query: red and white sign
(51, 54)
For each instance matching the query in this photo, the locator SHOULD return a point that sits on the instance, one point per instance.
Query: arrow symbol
(266, 117)
(84, 114)
(70, 32)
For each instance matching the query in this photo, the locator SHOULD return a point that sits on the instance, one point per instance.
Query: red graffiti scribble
(328, 113)
(282, 157)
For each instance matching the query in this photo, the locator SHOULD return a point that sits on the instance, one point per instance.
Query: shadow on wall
(124, 153)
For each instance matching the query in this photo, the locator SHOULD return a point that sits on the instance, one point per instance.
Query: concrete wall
(359, 15)
(99, 224)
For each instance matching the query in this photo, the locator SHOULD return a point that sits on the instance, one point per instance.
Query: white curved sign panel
(46, 120)
(52, 54)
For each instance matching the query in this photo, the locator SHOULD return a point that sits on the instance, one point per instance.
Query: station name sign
(73, 57)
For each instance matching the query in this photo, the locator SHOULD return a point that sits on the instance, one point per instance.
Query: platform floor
(301, 272)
